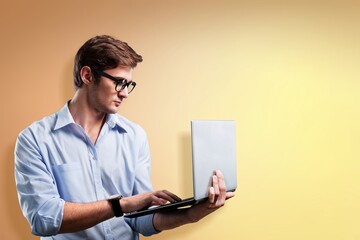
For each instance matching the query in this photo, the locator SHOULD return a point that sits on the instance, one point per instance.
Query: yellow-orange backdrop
(286, 71)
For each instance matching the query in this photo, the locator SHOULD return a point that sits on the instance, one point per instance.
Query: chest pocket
(74, 182)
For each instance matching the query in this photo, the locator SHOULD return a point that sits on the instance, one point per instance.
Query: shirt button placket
(98, 190)
(108, 235)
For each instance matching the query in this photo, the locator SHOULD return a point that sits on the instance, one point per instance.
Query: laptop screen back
(213, 148)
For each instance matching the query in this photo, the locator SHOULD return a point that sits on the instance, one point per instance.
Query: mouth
(117, 103)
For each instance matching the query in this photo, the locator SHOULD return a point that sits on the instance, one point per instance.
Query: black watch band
(115, 204)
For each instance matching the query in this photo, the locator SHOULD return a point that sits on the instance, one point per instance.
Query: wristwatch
(115, 204)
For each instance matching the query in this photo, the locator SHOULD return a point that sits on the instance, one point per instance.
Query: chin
(113, 110)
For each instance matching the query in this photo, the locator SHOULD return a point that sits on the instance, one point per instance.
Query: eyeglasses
(121, 83)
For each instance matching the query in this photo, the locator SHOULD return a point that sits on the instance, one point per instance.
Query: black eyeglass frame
(122, 82)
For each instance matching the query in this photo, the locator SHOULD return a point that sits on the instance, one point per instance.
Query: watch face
(115, 197)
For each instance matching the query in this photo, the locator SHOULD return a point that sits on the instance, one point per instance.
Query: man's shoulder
(49, 122)
(40, 126)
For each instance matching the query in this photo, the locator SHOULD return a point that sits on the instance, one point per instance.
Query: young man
(78, 170)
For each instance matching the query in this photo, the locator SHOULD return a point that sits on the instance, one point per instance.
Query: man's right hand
(140, 201)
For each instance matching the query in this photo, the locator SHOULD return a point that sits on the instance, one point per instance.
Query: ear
(86, 75)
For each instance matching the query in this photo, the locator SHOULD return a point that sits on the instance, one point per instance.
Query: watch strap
(115, 204)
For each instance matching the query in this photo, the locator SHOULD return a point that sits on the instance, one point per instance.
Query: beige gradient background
(286, 71)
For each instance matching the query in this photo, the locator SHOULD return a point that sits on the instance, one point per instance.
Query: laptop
(213, 148)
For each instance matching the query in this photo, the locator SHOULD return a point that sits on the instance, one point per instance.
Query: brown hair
(101, 53)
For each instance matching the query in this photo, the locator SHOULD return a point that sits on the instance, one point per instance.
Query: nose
(123, 93)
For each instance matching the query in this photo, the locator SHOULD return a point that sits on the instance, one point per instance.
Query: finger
(212, 196)
(215, 184)
(229, 195)
(166, 195)
(174, 197)
(158, 200)
(221, 181)
(220, 201)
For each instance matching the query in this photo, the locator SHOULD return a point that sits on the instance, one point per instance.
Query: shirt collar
(113, 120)
(64, 118)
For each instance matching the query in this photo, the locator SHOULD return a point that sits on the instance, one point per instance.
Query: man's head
(102, 53)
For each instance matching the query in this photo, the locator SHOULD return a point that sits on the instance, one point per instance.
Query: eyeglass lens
(121, 86)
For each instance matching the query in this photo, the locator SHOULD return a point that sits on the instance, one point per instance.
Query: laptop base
(188, 202)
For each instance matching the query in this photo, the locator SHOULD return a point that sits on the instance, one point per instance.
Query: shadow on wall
(12, 211)
(186, 159)
(186, 184)
(18, 223)
(67, 80)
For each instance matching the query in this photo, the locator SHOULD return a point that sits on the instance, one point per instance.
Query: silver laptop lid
(213, 148)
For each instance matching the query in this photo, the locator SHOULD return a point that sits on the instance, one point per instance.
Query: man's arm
(80, 216)
(217, 198)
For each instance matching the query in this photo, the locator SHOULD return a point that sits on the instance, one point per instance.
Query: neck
(87, 117)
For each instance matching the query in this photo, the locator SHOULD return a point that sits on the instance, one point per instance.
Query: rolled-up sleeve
(143, 224)
(37, 193)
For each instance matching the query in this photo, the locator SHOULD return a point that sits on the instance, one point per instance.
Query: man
(78, 170)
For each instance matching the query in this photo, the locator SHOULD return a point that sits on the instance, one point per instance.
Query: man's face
(102, 95)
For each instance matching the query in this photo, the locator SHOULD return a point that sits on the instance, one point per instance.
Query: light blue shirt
(56, 162)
